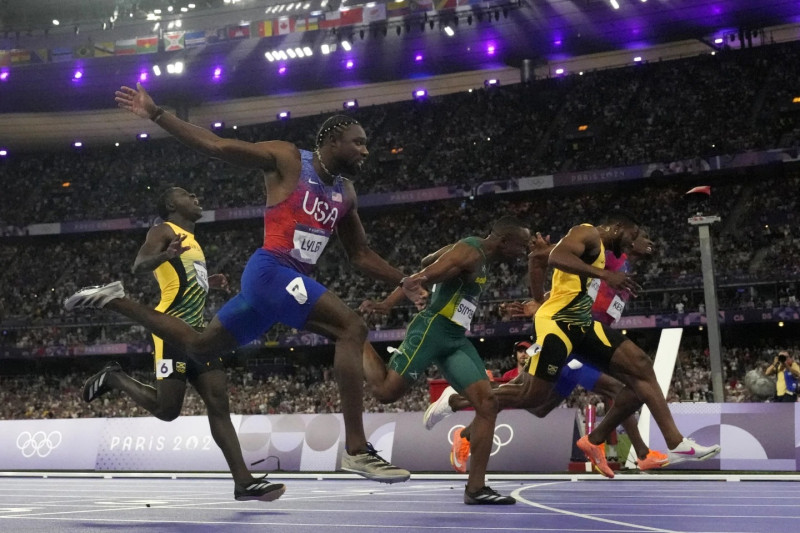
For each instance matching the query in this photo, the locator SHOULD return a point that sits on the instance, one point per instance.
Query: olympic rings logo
(497, 441)
(39, 443)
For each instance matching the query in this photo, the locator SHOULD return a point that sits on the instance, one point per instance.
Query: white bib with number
(309, 244)
(463, 313)
(202, 274)
(593, 288)
(164, 368)
(616, 307)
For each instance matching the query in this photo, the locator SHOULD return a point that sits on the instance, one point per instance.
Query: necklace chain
(324, 168)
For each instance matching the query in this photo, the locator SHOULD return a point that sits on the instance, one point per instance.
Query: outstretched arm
(459, 259)
(431, 258)
(253, 155)
(385, 306)
(388, 303)
(161, 245)
(354, 239)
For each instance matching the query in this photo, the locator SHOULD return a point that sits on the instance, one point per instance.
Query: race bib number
(298, 290)
(202, 274)
(593, 288)
(463, 313)
(164, 368)
(309, 243)
(616, 307)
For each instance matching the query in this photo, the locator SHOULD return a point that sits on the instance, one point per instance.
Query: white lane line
(284, 526)
(682, 515)
(516, 494)
(95, 510)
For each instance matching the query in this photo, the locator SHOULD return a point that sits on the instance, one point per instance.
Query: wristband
(157, 115)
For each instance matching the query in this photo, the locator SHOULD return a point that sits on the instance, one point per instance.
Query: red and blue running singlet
(609, 303)
(297, 230)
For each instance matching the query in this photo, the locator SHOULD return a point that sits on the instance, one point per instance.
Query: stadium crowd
(756, 243)
(653, 114)
(658, 112)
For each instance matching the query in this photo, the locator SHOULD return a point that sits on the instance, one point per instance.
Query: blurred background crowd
(673, 116)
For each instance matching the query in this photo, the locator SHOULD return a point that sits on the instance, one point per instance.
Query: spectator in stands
(788, 375)
(521, 357)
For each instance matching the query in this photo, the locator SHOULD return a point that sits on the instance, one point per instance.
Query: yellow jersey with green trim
(572, 295)
(457, 299)
(183, 281)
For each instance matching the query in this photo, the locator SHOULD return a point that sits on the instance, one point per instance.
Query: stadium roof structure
(41, 60)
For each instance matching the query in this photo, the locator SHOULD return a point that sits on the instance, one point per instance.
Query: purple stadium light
(557, 42)
(349, 64)
(491, 49)
(559, 71)
(4, 75)
(282, 71)
(420, 94)
(3, 152)
(719, 40)
(217, 73)
(142, 136)
(491, 83)
(637, 59)
(218, 125)
(77, 144)
(143, 76)
(350, 104)
(284, 115)
(418, 58)
(77, 75)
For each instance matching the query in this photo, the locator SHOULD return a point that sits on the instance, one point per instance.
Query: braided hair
(334, 125)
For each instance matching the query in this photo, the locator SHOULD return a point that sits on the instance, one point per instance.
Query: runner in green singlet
(456, 275)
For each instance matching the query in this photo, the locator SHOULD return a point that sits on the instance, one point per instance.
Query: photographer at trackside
(788, 374)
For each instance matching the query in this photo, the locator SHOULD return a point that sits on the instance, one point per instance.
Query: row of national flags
(170, 41)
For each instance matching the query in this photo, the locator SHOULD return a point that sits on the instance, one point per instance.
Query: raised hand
(176, 247)
(137, 101)
(539, 248)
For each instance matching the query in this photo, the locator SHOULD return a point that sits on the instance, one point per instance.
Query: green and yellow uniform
(437, 334)
(564, 324)
(183, 281)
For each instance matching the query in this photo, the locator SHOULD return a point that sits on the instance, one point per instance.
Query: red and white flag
(285, 25)
(332, 19)
(375, 13)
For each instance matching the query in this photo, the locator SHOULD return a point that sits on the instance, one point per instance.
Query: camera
(782, 358)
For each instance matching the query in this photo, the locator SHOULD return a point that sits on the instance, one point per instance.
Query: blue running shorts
(574, 373)
(270, 293)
